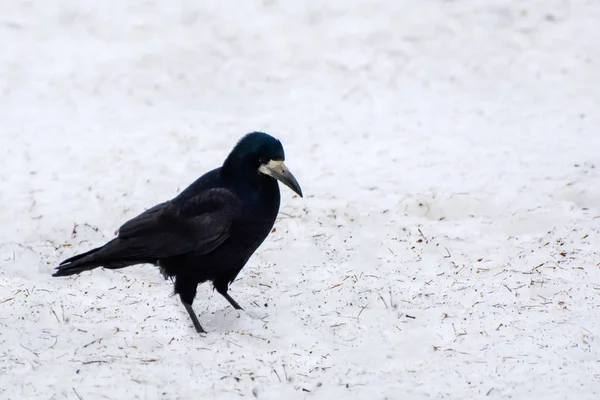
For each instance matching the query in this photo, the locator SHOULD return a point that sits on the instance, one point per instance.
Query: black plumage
(207, 232)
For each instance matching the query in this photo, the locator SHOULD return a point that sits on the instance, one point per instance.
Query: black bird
(207, 232)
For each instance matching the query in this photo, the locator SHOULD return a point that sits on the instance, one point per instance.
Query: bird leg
(193, 316)
(223, 292)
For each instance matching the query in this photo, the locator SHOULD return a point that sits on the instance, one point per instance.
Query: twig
(54, 312)
(77, 394)
(447, 251)
(361, 310)
(285, 372)
(421, 233)
(288, 215)
(384, 303)
(336, 285)
(90, 343)
(253, 336)
(36, 354)
(392, 300)
(94, 362)
(456, 273)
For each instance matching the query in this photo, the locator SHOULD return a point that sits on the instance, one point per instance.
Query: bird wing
(144, 222)
(199, 224)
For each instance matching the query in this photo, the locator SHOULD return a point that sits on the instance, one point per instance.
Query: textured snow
(448, 245)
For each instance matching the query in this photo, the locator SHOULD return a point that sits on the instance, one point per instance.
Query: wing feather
(197, 224)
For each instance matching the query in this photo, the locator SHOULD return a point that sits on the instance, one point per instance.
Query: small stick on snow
(54, 312)
(77, 394)
(94, 362)
(278, 377)
(421, 233)
(384, 303)
(361, 310)
(36, 354)
(285, 372)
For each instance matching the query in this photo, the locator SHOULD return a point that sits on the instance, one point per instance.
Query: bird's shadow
(228, 319)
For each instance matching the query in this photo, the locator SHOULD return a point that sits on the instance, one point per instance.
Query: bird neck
(242, 178)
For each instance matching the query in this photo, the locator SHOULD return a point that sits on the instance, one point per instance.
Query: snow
(448, 245)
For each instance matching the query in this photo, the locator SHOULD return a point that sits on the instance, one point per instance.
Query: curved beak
(278, 170)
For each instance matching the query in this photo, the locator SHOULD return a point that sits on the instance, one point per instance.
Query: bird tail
(108, 256)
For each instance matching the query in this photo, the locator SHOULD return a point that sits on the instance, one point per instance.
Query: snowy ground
(448, 245)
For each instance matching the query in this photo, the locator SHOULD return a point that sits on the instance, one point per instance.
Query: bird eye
(263, 160)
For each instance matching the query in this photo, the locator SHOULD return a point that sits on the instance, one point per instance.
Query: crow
(209, 231)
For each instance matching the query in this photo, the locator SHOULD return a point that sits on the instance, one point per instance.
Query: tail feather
(108, 256)
(79, 263)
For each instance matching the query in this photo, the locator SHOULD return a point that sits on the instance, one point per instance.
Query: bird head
(262, 153)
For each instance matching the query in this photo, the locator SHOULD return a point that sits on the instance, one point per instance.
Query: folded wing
(199, 224)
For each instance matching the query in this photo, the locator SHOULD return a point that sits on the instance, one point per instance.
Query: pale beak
(278, 170)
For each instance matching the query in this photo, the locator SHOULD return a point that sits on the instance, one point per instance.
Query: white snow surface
(448, 245)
